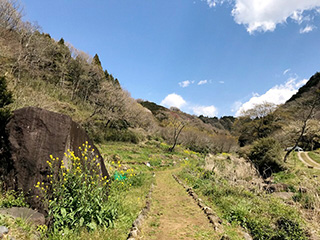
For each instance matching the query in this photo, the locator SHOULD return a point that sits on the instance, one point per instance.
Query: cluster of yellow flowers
(85, 168)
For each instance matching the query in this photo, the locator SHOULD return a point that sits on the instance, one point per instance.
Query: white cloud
(265, 15)
(209, 111)
(286, 71)
(278, 94)
(307, 29)
(173, 100)
(211, 3)
(222, 82)
(201, 82)
(185, 83)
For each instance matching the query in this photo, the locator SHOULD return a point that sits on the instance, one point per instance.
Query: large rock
(33, 135)
(27, 214)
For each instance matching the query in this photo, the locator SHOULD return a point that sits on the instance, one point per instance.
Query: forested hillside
(52, 74)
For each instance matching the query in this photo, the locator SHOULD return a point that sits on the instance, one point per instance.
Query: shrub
(77, 197)
(13, 199)
(121, 136)
(266, 156)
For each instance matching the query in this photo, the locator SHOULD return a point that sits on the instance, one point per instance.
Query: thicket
(266, 155)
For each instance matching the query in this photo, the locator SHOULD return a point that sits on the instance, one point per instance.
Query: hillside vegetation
(238, 166)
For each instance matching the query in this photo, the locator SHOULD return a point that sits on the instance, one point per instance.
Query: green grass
(314, 156)
(136, 155)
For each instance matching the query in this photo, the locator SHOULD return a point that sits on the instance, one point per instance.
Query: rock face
(33, 135)
(27, 214)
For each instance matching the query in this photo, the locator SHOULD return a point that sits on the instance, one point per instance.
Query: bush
(13, 199)
(266, 156)
(121, 136)
(77, 197)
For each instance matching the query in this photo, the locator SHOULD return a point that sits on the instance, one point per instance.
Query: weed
(13, 199)
(77, 197)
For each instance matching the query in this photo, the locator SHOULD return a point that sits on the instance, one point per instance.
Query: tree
(5, 99)
(178, 126)
(255, 123)
(10, 15)
(307, 109)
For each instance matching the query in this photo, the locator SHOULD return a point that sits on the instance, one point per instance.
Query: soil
(175, 215)
(304, 157)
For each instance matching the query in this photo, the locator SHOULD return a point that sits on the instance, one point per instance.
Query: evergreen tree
(5, 98)
(116, 82)
(96, 60)
(61, 41)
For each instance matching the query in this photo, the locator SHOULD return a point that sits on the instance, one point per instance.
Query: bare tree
(178, 126)
(10, 15)
(308, 114)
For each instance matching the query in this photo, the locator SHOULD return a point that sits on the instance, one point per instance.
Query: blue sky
(207, 57)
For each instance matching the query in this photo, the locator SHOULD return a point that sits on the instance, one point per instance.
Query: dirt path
(304, 157)
(175, 215)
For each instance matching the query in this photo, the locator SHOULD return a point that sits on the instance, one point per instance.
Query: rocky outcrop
(33, 135)
(27, 214)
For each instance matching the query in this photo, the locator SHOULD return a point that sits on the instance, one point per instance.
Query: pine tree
(96, 60)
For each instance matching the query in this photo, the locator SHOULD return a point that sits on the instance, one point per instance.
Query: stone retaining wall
(136, 226)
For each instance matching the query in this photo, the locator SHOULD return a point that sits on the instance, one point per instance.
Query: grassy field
(315, 156)
(262, 215)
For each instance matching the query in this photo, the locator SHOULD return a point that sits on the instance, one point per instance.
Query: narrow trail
(304, 157)
(175, 215)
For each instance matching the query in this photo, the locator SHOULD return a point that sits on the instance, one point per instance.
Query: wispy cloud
(185, 83)
(278, 94)
(201, 82)
(286, 71)
(211, 3)
(221, 82)
(265, 15)
(308, 28)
